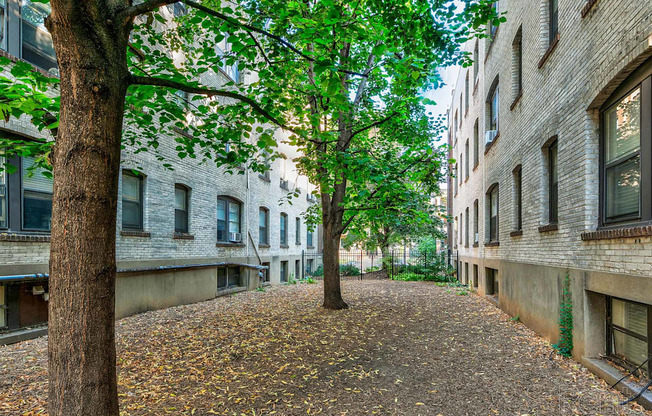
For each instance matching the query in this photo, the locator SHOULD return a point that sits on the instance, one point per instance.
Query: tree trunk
(331, 256)
(86, 162)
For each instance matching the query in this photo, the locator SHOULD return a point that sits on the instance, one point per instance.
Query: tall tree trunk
(331, 256)
(86, 161)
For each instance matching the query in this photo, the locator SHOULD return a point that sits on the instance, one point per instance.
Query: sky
(442, 95)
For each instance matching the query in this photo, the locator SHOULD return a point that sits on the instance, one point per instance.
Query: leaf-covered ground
(403, 348)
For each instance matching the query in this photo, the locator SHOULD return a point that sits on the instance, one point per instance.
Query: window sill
(264, 178)
(183, 236)
(608, 234)
(516, 100)
(516, 233)
(476, 166)
(264, 246)
(24, 238)
(284, 246)
(310, 247)
(492, 244)
(14, 58)
(230, 290)
(230, 245)
(587, 7)
(298, 243)
(129, 233)
(549, 228)
(488, 146)
(476, 245)
(548, 52)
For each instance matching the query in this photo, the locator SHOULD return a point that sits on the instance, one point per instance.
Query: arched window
(492, 212)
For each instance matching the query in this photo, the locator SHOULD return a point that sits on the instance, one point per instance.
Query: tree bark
(331, 257)
(90, 47)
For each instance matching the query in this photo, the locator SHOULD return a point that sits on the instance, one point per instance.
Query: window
(626, 158)
(476, 144)
(455, 176)
(37, 197)
(3, 194)
(36, 46)
(461, 164)
(461, 229)
(466, 161)
(517, 64)
(3, 306)
(492, 282)
(476, 61)
(466, 93)
(297, 269)
(553, 183)
(297, 230)
(309, 238)
(475, 222)
(553, 22)
(181, 207)
(132, 201)
(265, 273)
(494, 108)
(263, 226)
(628, 332)
(3, 19)
(228, 277)
(466, 229)
(493, 29)
(284, 271)
(228, 220)
(492, 202)
(309, 267)
(284, 229)
(518, 198)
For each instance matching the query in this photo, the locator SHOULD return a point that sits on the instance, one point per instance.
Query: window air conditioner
(491, 135)
(235, 237)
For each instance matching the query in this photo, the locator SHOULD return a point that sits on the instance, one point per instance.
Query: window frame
(476, 222)
(553, 21)
(283, 229)
(228, 201)
(185, 189)
(466, 228)
(264, 241)
(611, 327)
(310, 243)
(4, 193)
(553, 181)
(494, 97)
(466, 161)
(518, 197)
(22, 42)
(640, 78)
(494, 233)
(476, 143)
(141, 202)
(297, 230)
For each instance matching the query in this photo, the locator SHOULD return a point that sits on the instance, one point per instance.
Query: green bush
(372, 269)
(319, 271)
(310, 280)
(349, 269)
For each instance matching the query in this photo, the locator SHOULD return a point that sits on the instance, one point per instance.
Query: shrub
(349, 269)
(319, 271)
(310, 280)
(372, 269)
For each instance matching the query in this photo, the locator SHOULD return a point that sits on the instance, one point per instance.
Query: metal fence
(399, 263)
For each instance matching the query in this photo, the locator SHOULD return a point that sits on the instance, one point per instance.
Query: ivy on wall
(565, 344)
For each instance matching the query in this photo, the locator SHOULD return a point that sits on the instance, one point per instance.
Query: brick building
(551, 130)
(183, 235)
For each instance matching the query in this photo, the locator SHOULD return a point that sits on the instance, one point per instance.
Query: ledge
(127, 233)
(183, 236)
(516, 233)
(611, 375)
(264, 246)
(587, 7)
(516, 100)
(310, 247)
(231, 245)
(548, 52)
(631, 232)
(264, 178)
(231, 290)
(284, 246)
(549, 227)
(492, 244)
(14, 58)
(476, 245)
(488, 146)
(25, 238)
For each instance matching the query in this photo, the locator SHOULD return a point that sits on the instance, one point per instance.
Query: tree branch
(208, 92)
(375, 124)
(152, 5)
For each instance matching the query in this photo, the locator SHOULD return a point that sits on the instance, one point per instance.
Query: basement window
(628, 332)
(3, 306)
(228, 277)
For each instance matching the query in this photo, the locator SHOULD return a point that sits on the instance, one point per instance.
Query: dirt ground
(403, 348)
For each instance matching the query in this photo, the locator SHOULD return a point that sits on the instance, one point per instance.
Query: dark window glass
(466, 92)
(37, 197)
(222, 281)
(628, 332)
(233, 277)
(553, 28)
(554, 182)
(622, 156)
(228, 220)
(493, 110)
(475, 221)
(265, 272)
(284, 271)
(476, 62)
(37, 45)
(132, 201)
(297, 231)
(466, 229)
(493, 214)
(3, 194)
(309, 237)
(181, 202)
(466, 161)
(284, 229)
(476, 144)
(518, 198)
(263, 223)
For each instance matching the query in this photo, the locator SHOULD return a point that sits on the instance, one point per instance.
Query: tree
(328, 71)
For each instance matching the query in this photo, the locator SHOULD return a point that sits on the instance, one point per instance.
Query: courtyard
(402, 348)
